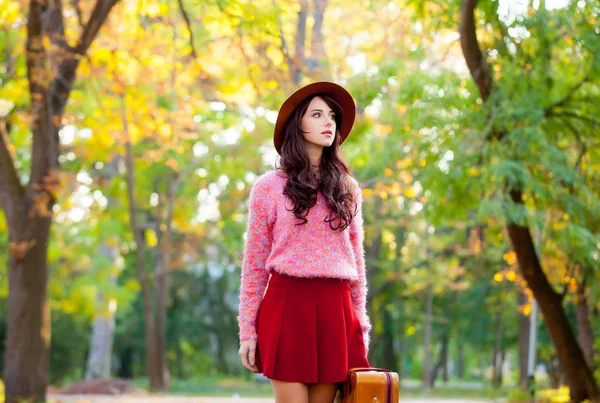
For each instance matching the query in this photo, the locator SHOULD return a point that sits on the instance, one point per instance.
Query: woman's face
(318, 124)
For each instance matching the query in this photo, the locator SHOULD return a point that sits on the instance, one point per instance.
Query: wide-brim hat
(335, 91)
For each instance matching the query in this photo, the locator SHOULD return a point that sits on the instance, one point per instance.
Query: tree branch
(63, 81)
(567, 97)
(188, 24)
(75, 4)
(299, 54)
(566, 287)
(53, 25)
(317, 44)
(471, 51)
(9, 64)
(240, 35)
(35, 54)
(587, 119)
(97, 18)
(284, 47)
(11, 190)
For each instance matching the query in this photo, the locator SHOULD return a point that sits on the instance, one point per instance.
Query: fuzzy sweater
(275, 243)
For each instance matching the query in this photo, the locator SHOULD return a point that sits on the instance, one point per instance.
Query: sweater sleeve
(257, 248)
(359, 287)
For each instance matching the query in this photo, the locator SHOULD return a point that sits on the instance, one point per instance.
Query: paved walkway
(172, 399)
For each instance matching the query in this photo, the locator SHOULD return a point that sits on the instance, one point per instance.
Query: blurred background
(132, 132)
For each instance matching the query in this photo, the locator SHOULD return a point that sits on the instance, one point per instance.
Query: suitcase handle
(369, 369)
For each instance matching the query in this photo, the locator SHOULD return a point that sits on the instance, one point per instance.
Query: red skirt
(308, 331)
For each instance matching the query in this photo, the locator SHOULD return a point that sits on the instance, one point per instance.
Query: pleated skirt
(308, 331)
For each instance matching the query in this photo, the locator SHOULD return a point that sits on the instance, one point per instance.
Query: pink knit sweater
(275, 243)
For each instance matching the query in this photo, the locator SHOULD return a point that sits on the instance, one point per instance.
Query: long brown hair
(334, 179)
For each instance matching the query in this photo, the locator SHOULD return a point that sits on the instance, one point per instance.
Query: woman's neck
(314, 154)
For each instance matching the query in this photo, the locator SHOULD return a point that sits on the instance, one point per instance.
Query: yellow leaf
(395, 190)
(172, 163)
(69, 306)
(474, 171)
(401, 108)
(498, 277)
(573, 285)
(410, 192)
(152, 9)
(388, 172)
(384, 130)
(422, 162)
(406, 177)
(135, 132)
(510, 257)
(367, 192)
(165, 130)
(152, 240)
(84, 67)
(132, 284)
(511, 275)
(383, 195)
(527, 309)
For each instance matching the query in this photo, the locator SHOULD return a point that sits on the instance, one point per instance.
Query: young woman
(304, 247)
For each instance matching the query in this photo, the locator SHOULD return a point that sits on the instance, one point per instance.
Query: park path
(179, 399)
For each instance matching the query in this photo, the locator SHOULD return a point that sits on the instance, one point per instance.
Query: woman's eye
(316, 115)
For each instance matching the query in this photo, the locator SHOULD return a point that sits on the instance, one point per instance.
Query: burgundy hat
(338, 93)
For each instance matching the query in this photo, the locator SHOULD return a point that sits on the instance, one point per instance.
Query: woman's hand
(247, 354)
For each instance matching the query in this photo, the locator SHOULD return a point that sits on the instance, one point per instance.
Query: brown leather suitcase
(371, 385)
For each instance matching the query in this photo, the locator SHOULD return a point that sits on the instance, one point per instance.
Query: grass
(223, 386)
(216, 386)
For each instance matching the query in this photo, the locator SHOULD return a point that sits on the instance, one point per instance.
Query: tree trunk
(101, 341)
(579, 376)
(523, 326)
(401, 339)
(175, 308)
(28, 321)
(152, 354)
(126, 363)
(554, 372)
(28, 210)
(586, 333)
(317, 64)
(500, 374)
(445, 345)
(572, 361)
(460, 358)
(389, 353)
(442, 362)
(300, 56)
(162, 267)
(427, 379)
(497, 354)
(99, 358)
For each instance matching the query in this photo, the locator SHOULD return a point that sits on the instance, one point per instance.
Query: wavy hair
(334, 179)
